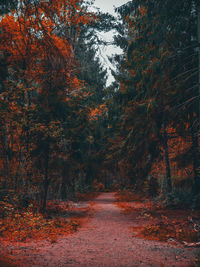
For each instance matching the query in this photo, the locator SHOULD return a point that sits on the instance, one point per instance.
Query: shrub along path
(106, 240)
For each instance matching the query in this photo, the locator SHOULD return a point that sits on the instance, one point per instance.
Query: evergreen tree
(159, 62)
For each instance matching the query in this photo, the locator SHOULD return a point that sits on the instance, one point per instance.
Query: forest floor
(113, 236)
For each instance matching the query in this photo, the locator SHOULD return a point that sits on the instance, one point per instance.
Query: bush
(98, 186)
(180, 198)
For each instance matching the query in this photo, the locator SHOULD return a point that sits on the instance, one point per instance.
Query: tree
(159, 63)
(41, 74)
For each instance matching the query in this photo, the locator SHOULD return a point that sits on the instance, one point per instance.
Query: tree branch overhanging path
(105, 240)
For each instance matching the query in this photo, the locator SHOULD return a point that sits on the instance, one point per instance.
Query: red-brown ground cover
(157, 223)
(27, 224)
(60, 217)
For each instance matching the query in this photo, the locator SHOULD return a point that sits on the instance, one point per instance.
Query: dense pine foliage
(157, 104)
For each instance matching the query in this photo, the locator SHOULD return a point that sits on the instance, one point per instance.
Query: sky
(108, 6)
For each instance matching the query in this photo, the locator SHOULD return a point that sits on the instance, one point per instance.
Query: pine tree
(159, 63)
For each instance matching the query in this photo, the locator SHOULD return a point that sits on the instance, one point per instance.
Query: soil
(105, 240)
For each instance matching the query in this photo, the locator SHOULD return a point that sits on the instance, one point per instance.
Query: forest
(66, 134)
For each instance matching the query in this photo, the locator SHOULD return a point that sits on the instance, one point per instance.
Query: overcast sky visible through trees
(108, 6)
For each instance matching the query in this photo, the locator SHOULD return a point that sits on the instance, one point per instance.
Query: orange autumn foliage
(98, 111)
(177, 145)
(37, 43)
(60, 219)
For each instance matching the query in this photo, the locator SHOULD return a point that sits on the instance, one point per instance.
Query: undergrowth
(86, 196)
(125, 195)
(159, 220)
(21, 224)
(183, 231)
(179, 198)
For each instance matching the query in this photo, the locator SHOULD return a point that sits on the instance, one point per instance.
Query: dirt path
(106, 240)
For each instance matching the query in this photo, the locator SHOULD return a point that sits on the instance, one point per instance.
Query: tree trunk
(195, 132)
(46, 180)
(195, 154)
(64, 182)
(80, 182)
(198, 34)
(88, 178)
(5, 161)
(73, 189)
(168, 181)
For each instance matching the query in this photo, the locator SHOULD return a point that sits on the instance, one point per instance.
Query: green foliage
(7, 5)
